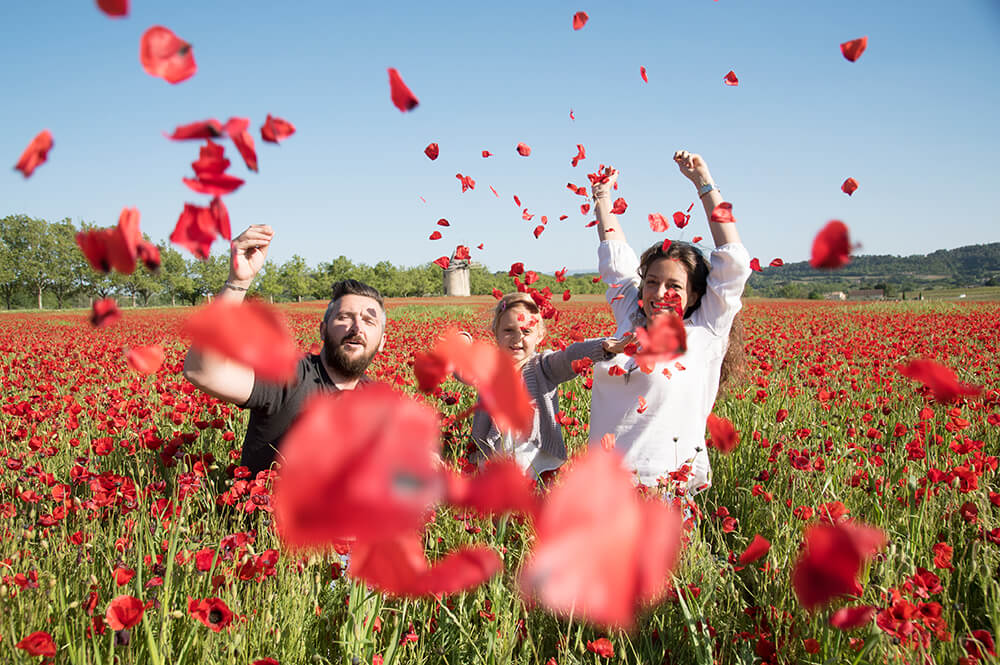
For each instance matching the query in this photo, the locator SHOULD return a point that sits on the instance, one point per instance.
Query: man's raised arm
(214, 374)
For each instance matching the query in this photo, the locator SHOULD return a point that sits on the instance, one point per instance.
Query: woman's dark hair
(734, 364)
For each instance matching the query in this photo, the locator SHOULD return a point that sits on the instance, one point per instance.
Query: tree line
(42, 267)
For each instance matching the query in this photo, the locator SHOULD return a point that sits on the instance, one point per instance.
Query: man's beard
(340, 362)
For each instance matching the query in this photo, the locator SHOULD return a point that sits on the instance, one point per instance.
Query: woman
(666, 439)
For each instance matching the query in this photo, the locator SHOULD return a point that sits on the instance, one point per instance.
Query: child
(518, 328)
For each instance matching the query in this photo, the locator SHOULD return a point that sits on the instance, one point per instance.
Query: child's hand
(616, 346)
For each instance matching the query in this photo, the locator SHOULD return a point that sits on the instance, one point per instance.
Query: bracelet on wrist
(233, 287)
(706, 188)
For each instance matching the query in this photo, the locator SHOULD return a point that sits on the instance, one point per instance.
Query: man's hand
(248, 252)
(693, 167)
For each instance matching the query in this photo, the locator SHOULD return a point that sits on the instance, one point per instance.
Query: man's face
(352, 334)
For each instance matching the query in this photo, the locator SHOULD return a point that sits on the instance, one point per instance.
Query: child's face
(519, 333)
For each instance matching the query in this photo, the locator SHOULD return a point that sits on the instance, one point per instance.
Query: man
(352, 330)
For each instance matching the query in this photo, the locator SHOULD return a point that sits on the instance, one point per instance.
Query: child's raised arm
(558, 365)
(695, 169)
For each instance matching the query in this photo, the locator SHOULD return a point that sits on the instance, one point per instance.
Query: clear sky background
(914, 120)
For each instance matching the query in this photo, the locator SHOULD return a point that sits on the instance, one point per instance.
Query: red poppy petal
(757, 548)
(214, 184)
(943, 383)
(402, 97)
(849, 618)
(853, 49)
(725, 438)
(849, 187)
(500, 487)
(124, 612)
(251, 334)
(658, 222)
(204, 129)
(435, 236)
(432, 151)
(359, 464)
(35, 154)
(642, 73)
(723, 214)
(579, 20)
(145, 359)
(115, 9)
(462, 253)
(442, 261)
(776, 263)
(276, 129)
(523, 149)
(730, 78)
(104, 313)
(831, 246)
(755, 264)
(237, 130)
(165, 55)
(538, 230)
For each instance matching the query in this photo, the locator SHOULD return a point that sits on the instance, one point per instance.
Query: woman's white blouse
(679, 394)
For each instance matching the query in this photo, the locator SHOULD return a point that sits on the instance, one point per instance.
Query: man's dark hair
(352, 287)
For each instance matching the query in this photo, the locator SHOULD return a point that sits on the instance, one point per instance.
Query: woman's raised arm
(607, 221)
(695, 169)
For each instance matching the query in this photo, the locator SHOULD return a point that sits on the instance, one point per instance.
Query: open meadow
(117, 484)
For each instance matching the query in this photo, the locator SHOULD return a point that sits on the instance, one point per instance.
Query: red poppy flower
(681, 220)
(831, 247)
(730, 78)
(399, 567)
(757, 548)
(853, 49)
(523, 149)
(165, 55)
(212, 612)
(602, 647)
(849, 618)
(667, 242)
(658, 222)
(849, 187)
(942, 381)
(402, 97)
(204, 129)
(723, 214)
(238, 131)
(116, 248)
(442, 261)
(600, 552)
(276, 129)
(145, 359)
(579, 20)
(359, 464)
(725, 438)
(35, 154)
(249, 333)
(619, 206)
(831, 561)
(978, 642)
(755, 264)
(581, 153)
(432, 151)
(38, 643)
(435, 236)
(642, 73)
(123, 575)
(114, 8)
(104, 313)
(124, 612)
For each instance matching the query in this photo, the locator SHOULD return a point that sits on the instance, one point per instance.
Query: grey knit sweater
(542, 375)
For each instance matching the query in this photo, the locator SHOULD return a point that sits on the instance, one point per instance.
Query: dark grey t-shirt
(273, 408)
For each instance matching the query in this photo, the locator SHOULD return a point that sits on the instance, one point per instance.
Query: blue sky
(913, 120)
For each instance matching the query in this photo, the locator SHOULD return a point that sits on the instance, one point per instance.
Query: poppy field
(128, 533)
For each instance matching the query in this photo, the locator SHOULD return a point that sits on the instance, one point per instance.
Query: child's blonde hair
(512, 300)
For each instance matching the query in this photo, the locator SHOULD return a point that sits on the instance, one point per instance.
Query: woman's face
(666, 286)
(519, 333)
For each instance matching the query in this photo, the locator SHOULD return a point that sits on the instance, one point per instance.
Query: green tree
(268, 282)
(295, 278)
(175, 277)
(30, 251)
(68, 269)
(10, 280)
(209, 275)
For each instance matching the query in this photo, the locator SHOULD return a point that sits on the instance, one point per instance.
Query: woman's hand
(248, 252)
(693, 167)
(602, 190)
(616, 346)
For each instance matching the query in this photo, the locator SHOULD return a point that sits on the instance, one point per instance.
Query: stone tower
(456, 278)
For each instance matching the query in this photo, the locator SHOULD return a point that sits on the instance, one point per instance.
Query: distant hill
(972, 265)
